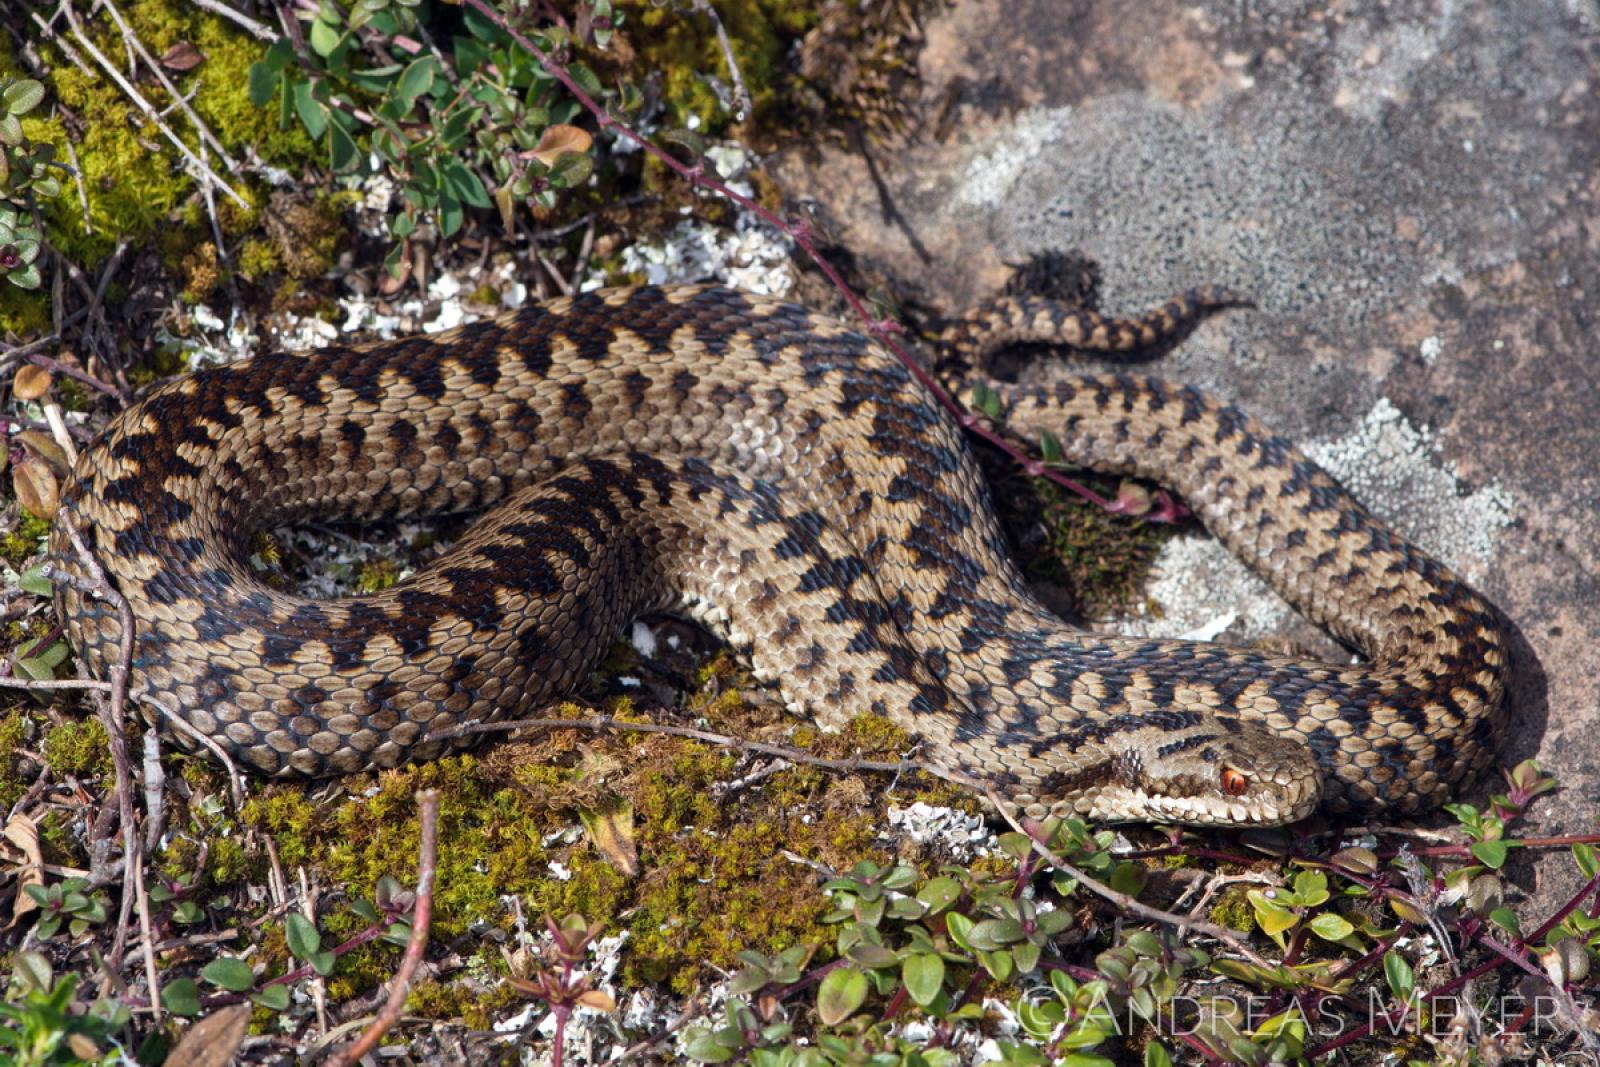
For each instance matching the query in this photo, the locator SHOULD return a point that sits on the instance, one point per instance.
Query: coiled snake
(778, 476)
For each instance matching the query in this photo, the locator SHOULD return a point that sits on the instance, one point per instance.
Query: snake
(781, 478)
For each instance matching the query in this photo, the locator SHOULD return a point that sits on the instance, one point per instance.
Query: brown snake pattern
(780, 477)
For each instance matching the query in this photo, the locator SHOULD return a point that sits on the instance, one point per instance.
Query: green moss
(24, 312)
(22, 543)
(132, 177)
(15, 730)
(1104, 560)
(1232, 910)
(78, 746)
(257, 259)
(683, 47)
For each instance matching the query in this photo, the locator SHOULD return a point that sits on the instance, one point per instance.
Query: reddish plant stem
(882, 330)
(422, 915)
(1462, 979)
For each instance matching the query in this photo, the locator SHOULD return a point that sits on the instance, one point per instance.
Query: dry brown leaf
(558, 140)
(84, 1048)
(597, 999)
(610, 830)
(36, 486)
(212, 1041)
(23, 832)
(31, 383)
(44, 446)
(182, 56)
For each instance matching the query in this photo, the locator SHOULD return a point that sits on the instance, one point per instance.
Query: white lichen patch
(1390, 465)
(959, 835)
(754, 257)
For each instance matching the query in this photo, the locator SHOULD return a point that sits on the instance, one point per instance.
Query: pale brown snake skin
(777, 475)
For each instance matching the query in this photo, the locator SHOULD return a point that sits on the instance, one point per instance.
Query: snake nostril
(1234, 783)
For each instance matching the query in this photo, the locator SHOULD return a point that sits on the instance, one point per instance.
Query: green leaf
(416, 79)
(939, 893)
(841, 993)
(465, 184)
(324, 38)
(1491, 854)
(1507, 920)
(263, 82)
(303, 937)
(585, 78)
(10, 130)
(26, 278)
(923, 975)
(22, 96)
(343, 154)
(272, 997)
(230, 973)
(1156, 1055)
(959, 926)
(181, 997)
(313, 112)
(1582, 853)
(1331, 927)
(572, 168)
(702, 1046)
(1397, 971)
(1050, 449)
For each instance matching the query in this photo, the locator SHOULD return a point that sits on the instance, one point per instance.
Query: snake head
(1215, 774)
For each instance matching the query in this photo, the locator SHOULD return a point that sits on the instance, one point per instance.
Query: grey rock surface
(1410, 192)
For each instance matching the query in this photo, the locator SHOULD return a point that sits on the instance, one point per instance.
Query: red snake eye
(1234, 783)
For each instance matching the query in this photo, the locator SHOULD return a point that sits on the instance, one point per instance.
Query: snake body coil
(780, 477)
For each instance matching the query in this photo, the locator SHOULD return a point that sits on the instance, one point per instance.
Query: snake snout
(1232, 774)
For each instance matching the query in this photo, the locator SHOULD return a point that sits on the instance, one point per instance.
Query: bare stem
(400, 986)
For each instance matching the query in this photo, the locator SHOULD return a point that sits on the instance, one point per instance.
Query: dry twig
(400, 986)
(132, 93)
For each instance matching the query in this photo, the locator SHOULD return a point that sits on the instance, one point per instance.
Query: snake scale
(778, 476)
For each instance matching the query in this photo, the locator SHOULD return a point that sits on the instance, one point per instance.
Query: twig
(184, 726)
(603, 725)
(77, 179)
(1123, 900)
(250, 25)
(144, 105)
(137, 45)
(92, 684)
(742, 95)
(400, 986)
(86, 378)
(135, 862)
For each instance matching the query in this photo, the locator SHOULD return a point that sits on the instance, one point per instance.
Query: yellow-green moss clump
(19, 545)
(683, 47)
(714, 878)
(78, 746)
(131, 174)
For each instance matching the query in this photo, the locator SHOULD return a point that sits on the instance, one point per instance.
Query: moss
(131, 175)
(78, 746)
(683, 47)
(1232, 910)
(257, 259)
(24, 312)
(15, 730)
(1104, 560)
(22, 543)
(377, 575)
(201, 273)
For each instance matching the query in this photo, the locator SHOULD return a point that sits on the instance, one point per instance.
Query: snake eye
(1234, 783)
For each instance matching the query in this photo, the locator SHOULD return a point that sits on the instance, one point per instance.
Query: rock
(1407, 191)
